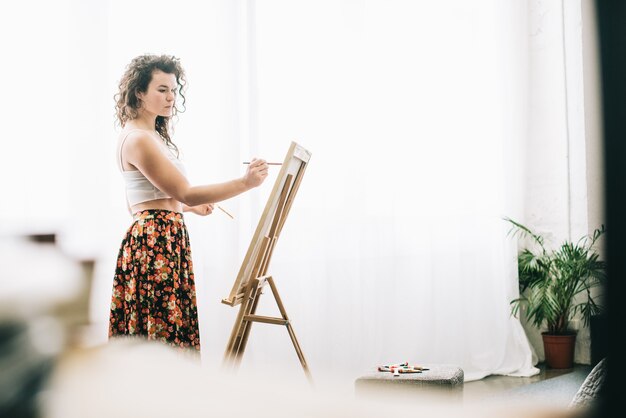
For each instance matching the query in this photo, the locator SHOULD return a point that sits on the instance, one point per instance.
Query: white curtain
(414, 111)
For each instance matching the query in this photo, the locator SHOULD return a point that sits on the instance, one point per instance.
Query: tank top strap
(121, 144)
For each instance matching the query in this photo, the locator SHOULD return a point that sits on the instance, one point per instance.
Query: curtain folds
(396, 249)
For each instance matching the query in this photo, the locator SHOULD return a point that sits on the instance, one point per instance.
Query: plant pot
(559, 350)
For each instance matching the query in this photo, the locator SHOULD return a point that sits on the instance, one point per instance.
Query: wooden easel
(251, 281)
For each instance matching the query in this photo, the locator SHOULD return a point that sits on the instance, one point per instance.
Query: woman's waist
(167, 209)
(166, 204)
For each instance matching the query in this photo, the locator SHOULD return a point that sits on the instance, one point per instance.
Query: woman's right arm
(141, 151)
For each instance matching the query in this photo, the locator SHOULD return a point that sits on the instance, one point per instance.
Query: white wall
(34, 109)
(563, 186)
(593, 118)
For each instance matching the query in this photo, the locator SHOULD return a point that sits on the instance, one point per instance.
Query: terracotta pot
(559, 350)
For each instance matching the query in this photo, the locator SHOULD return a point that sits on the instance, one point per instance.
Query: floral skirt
(154, 293)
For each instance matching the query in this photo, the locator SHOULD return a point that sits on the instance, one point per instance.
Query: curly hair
(136, 79)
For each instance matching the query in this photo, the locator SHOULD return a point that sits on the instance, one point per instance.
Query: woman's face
(160, 97)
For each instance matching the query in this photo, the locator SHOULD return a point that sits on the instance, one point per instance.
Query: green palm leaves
(556, 285)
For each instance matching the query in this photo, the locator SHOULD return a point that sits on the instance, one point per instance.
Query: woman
(153, 289)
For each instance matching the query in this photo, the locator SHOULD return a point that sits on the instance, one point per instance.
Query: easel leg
(248, 324)
(236, 343)
(290, 330)
(241, 330)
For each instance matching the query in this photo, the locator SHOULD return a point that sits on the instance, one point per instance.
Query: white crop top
(138, 187)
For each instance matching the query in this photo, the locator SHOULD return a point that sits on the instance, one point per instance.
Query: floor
(554, 385)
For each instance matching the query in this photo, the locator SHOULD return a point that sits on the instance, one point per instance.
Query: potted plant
(555, 285)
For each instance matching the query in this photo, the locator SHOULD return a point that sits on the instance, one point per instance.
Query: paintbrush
(224, 210)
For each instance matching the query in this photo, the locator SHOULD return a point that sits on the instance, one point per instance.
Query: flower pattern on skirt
(154, 292)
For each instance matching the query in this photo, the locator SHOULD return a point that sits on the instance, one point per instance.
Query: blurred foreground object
(44, 297)
(25, 361)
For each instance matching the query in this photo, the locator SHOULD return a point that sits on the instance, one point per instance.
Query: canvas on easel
(253, 273)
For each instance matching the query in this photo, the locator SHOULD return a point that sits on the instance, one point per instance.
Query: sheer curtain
(395, 249)
(414, 111)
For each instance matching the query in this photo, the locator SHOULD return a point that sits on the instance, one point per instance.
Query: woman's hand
(256, 173)
(202, 210)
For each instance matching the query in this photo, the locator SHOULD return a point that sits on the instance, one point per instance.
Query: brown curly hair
(136, 79)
